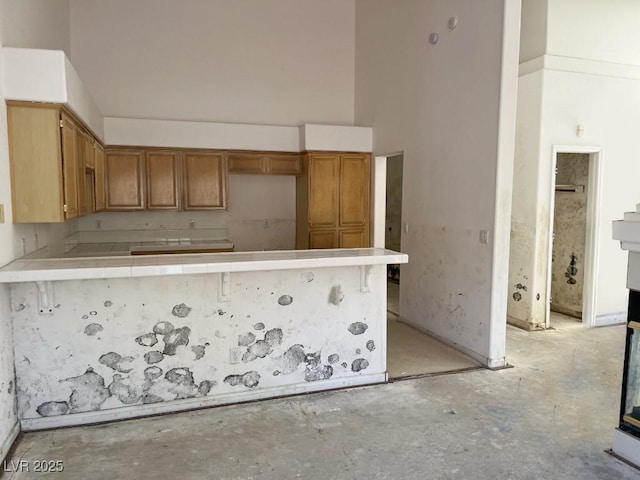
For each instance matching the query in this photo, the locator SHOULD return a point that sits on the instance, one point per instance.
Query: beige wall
(278, 62)
(441, 106)
(35, 24)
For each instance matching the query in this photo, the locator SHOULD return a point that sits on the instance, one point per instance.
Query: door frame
(379, 192)
(592, 251)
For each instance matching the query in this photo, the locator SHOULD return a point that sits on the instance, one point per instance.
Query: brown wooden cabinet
(204, 181)
(162, 180)
(98, 178)
(124, 180)
(44, 170)
(332, 201)
(264, 163)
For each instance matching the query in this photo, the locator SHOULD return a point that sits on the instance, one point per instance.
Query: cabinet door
(162, 180)
(323, 190)
(282, 164)
(70, 168)
(81, 157)
(354, 190)
(204, 181)
(246, 163)
(123, 180)
(353, 238)
(322, 239)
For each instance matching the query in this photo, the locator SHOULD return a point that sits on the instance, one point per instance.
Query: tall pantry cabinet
(332, 200)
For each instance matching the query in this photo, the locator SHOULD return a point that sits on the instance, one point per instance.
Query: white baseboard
(7, 443)
(469, 353)
(611, 319)
(626, 446)
(134, 411)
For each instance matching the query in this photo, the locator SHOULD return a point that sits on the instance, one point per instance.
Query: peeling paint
(163, 328)
(183, 383)
(113, 361)
(181, 310)
(199, 350)
(307, 277)
(291, 359)
(108, 303)
(205, 387)
(262, 348)
(517, 296)
(315, 370)
(333, 358)
(174, 339)
(93, 329)
(126, 393)
(51, 409)
(88, 392)
(359, 364)
(248, 379)
(152, 373)
(246, 339)
(358, 328)
(147, 340)
(153, 356)
(259, 326)
(371, 345)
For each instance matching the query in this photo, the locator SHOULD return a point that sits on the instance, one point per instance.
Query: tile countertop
(114, 249)
(48, 269)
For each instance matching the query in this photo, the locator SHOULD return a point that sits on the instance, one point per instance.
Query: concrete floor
(550, 417)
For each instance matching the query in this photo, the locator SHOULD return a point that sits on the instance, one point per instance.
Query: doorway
(573, 229)
(393, 227)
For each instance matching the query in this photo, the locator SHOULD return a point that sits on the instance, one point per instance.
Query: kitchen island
(99, 339)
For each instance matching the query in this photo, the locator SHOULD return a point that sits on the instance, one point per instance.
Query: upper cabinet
(159, 179)
(98, 178)
(332, 201)
(47, 179)
(205, 181)
(265, 163)
(163, 178)
(124, 180)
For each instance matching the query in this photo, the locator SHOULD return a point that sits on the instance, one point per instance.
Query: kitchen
(152, 259)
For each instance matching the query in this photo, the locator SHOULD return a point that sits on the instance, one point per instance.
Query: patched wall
(141, 341)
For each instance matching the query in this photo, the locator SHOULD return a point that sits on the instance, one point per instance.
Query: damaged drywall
(160, 339)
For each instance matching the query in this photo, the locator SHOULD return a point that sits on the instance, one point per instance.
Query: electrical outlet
(484, 236)
(1, 213)
(235, 355)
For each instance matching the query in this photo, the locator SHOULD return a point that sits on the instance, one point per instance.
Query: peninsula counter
(99, 339)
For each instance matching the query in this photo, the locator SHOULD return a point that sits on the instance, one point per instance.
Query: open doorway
(410, 352)
(572, 244)
(393, 227)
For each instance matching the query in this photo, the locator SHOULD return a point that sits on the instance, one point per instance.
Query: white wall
(604, 30)
(533, 39)
(579, 82)
(277, 62)
(440, 105)
(35, 24)
(609, 109)
(261, 215)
